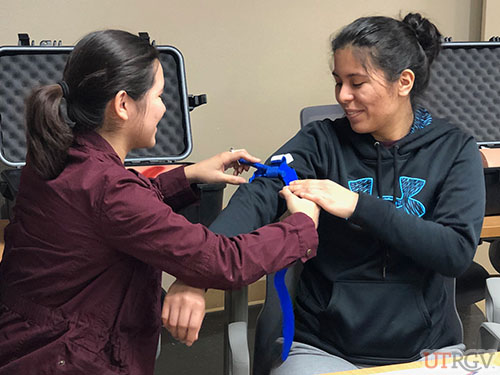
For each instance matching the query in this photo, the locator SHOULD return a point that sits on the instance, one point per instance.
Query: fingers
(239, 168)
(242, 154)
(182, 327)
(318, 199)
(285, 193)
(170, 320)
(302, 185)
(194, 326)
(183, 312)
(231, 179)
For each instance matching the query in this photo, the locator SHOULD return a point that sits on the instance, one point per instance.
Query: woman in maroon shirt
(80, 278)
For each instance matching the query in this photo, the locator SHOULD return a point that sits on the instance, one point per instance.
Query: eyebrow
(351, 75)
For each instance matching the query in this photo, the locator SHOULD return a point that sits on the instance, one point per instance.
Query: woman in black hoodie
(403, 201)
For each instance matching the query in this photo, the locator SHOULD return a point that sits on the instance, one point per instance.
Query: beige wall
(259, 62)
(491, 12)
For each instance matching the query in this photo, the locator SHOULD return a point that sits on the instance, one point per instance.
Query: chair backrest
(268, 329)
(320, 112)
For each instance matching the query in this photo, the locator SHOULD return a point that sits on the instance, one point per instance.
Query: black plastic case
(26, 66)
(464, 87)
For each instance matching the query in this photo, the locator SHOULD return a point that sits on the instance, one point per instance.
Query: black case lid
(25, 67)
(464, 88)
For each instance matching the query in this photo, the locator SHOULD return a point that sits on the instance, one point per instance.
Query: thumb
(233, 180)
(286, 193)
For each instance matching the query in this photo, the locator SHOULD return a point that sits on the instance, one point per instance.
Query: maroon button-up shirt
(80, 277)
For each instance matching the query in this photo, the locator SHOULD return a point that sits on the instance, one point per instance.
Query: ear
(121, 105)
(405, 82)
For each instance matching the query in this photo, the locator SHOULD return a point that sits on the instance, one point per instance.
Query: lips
(352, 113)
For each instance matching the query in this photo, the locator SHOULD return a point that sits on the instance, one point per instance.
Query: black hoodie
(374, 294)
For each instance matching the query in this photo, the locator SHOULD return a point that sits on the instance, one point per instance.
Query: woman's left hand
(183, 312)
(212, 170)
(329, 195)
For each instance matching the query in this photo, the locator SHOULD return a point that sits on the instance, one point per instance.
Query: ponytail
(426, 33)
(48, 136)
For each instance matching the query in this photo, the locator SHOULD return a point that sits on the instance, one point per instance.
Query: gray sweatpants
(308, 360)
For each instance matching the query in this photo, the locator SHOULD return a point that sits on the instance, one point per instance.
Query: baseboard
(214, 299)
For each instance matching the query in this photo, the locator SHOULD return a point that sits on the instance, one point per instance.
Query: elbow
(457, 269)
(459, 261)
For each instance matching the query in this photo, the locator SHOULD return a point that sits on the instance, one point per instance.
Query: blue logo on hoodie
(409, 187)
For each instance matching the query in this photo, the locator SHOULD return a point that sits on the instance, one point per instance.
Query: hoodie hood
(425, 129)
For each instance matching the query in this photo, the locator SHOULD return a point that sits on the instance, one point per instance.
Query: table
(434, 368)
(491, 227)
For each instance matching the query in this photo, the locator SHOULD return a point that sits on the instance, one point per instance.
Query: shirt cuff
(176, 188)
(307, 234)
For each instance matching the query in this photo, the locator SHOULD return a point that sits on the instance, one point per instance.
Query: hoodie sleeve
(258, 203)
(445, 242)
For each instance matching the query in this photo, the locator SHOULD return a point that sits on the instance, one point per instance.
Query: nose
(343, 94)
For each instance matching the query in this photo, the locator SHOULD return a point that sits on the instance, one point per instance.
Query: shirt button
(308, 252)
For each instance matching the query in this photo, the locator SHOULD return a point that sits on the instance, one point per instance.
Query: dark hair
(394, 46)
(102, 63)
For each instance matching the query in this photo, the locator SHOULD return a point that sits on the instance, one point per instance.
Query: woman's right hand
(296, 204)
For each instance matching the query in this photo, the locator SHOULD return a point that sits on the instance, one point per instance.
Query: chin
(360, 129)
(149, 144)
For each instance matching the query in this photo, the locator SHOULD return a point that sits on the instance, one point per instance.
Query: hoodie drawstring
(394, 190)
(378, 177)
(396, 173)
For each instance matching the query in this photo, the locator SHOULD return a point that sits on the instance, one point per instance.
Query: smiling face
(154, 109)
(371, 103)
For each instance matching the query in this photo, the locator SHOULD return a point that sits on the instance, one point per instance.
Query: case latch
(23, 39)
(196, 100)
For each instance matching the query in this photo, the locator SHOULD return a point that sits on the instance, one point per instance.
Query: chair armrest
(493, 299)
(238, 346)
(158, 348)
(489, 336)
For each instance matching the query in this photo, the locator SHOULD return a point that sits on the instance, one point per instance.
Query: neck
(399, 127)
(116, 141)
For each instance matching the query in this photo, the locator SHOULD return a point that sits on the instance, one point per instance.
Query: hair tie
(65, 89)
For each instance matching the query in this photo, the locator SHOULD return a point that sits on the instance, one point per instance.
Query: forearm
(251, 206)
(249, 257)
(176, 189)
(447, 249)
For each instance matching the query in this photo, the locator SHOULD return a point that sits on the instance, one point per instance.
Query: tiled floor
(206, 355)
